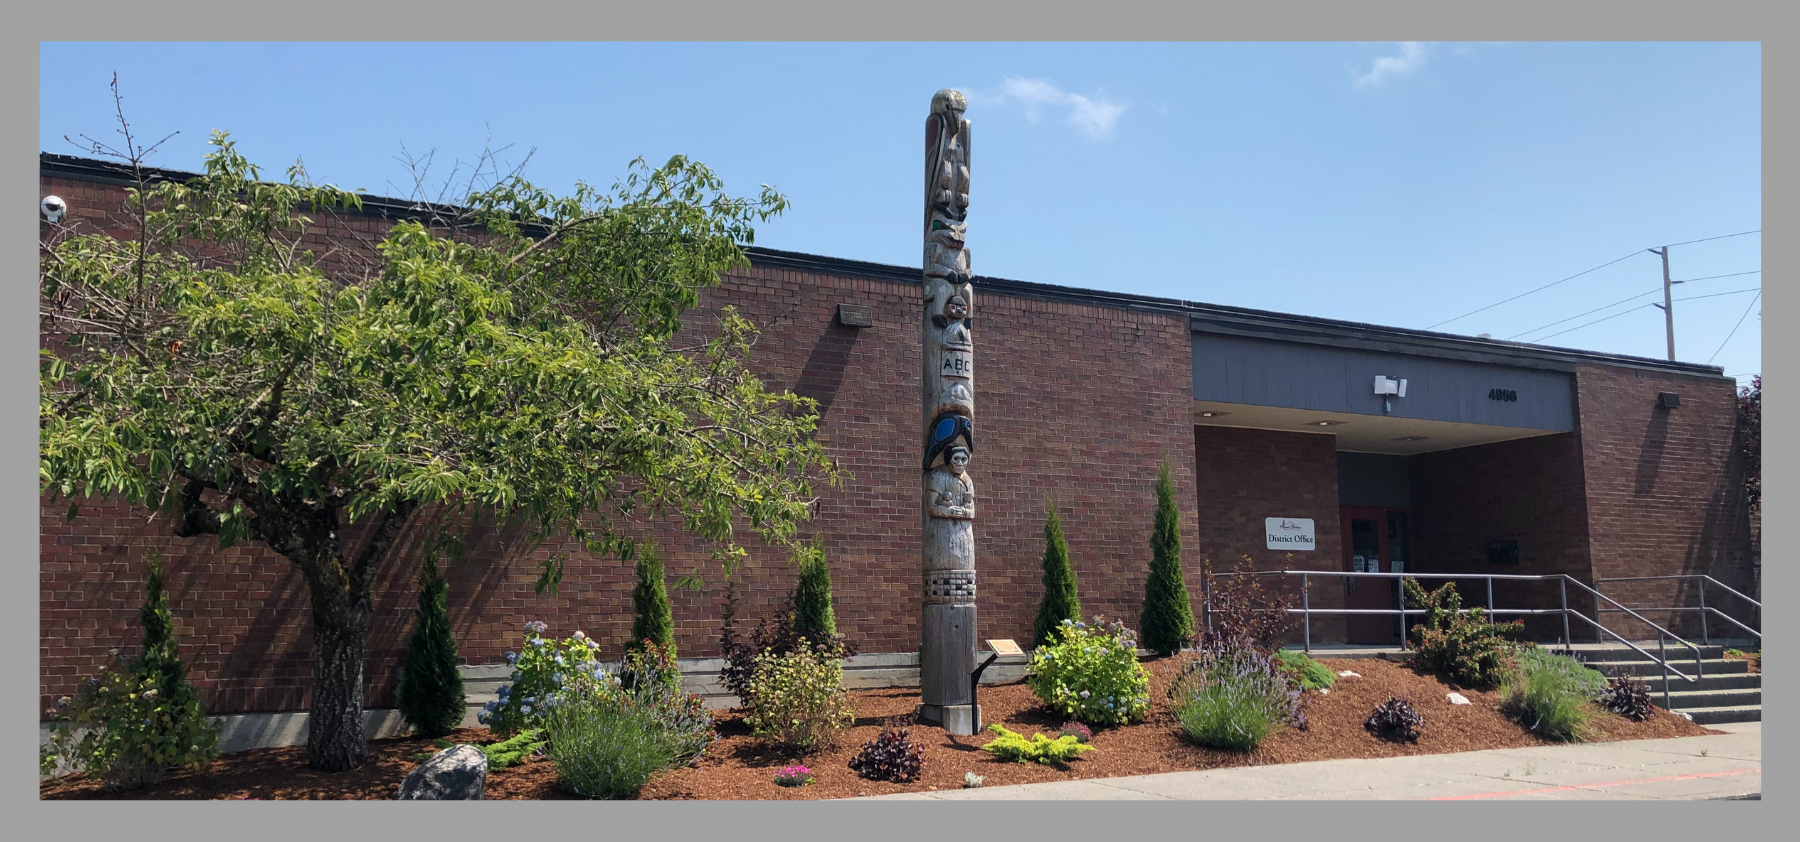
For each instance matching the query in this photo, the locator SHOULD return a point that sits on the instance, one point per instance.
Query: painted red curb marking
(1595, 786)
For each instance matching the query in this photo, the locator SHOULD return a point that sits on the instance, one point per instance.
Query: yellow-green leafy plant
(1011, 745)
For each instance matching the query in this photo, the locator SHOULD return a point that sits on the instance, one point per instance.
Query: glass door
(1376, 540)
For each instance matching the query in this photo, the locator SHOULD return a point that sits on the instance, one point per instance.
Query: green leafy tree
(431, 689)
(1168, 620)
(813, 616)
(1060, 602)
(515, 358)
(652, 618)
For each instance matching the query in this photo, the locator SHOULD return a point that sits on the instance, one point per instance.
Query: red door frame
(1378, 629)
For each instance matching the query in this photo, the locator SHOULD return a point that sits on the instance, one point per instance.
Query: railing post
(1662, 654)
(1306, 612)
(1704, 637)
(1562, 585)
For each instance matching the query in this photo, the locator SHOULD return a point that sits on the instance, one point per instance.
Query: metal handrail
(1562, 579)
(1703, 608)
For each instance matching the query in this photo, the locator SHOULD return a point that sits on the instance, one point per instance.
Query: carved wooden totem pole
(947, 657)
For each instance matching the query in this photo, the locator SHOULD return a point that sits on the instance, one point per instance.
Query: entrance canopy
(1360, 433)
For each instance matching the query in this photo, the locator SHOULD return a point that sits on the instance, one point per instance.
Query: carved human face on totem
(956, 307)
(958, 461)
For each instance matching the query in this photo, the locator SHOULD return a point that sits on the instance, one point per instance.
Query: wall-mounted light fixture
(1668, 400)
(1389, 388)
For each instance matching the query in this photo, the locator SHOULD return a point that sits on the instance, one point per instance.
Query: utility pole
(1668, 302)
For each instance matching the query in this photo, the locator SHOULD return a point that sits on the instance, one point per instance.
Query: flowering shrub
(1231, 698)
(539, 670)
(1091, 673)
(1080, 732)
(1395, 719)
(793, 776)
(779, 633)
(120, 726)
(602, 748)
(135, 721)
(1472, 649)
(797, 699)
(551, 672)
(1011, 745)
(890, 756)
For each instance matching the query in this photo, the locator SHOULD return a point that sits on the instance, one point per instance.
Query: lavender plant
(1234, 697)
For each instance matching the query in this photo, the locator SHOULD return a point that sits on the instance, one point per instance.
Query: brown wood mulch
(1754, 659)
(740, 767)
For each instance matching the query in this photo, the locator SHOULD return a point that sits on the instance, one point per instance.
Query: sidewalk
(1657, 770)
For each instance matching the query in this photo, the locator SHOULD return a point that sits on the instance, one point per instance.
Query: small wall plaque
(1005, 647)
(856, 315)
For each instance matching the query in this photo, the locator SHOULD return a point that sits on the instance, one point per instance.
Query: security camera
(53, 207)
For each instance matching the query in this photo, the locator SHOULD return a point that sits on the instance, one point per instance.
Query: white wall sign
(1294, 534)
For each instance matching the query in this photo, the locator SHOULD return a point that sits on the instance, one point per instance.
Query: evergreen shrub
(1011, 745)
(1473, 650)
(652, 618)
(798, 699)
(1061, 600)
(431, 697)
(1311, 674)
(1168, 618)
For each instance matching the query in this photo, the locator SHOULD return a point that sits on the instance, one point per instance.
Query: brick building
(1501, 457)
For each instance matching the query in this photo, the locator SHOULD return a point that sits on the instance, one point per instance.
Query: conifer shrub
(1168, 618)
(813, 617)
(1091, 674)
(1473, 650)
(1011, 745)
(1311, 674)
(513, 750)
(139, 719)
(1061, 599)
(431, 697)
(652, 619)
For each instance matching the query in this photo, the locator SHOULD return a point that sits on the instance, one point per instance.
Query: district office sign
(1293, 534)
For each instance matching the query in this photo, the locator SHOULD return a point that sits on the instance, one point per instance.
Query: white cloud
(1093, 116)
(1410, 59)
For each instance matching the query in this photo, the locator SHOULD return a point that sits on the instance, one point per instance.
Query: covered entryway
(1376, 540)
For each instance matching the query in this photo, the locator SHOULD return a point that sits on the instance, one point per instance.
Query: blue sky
(1395, 183)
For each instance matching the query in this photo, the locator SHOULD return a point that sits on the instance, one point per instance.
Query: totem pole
(947, 657)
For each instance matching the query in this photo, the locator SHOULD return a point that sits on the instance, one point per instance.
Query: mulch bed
(740, 767)
(1755, 659)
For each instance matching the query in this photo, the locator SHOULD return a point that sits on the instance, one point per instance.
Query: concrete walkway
(1685, 768)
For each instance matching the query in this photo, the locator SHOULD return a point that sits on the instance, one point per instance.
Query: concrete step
(1646, 669)
(1691, 699)
(1714, 716)
(1621, 652)
(1709, 681)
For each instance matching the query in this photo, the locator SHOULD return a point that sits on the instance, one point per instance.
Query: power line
(1717, 294)
(1539, 289)
(1588, 313)
(1710, 277)
(1720, 237)
(1584, 272)
(1595, 322)
(1734, 328)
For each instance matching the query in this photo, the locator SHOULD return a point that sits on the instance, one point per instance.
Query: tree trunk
(335, 741)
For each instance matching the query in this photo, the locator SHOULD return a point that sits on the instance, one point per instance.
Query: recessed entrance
(1376, 540)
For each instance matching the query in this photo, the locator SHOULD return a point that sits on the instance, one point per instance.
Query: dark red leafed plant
(1241, 612)
(1395, 719)
(890, 756)
(1628, 697)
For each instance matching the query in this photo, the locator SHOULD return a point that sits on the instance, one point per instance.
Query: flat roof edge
(1206, 318)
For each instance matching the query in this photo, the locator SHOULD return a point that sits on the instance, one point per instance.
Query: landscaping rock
(454, 774)
(1457, 699)
(1349, 674)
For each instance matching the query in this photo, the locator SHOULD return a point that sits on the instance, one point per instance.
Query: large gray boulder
(454, 774)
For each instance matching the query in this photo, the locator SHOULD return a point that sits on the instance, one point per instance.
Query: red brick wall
(1529, 490)
(1247, 475)
(1664, 490)
(1077, 401)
